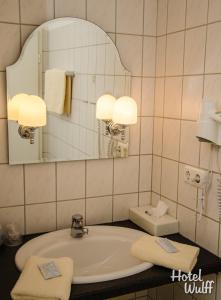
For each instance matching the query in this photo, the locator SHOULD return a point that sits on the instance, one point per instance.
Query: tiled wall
(188, 56)
(43, 197)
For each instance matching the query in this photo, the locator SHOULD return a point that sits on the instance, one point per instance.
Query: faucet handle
(77, 218)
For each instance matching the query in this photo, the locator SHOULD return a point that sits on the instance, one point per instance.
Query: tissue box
(156, 226)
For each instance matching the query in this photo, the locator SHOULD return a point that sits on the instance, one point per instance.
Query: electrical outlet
(196, 177)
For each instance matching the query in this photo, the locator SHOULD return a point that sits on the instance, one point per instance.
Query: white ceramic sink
(103, 254)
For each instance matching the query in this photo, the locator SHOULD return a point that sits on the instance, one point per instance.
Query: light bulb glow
(28, 110)
(125, 111)
(33, 112)
(104, 107)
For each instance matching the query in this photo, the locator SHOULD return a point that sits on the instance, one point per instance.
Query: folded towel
(68, 95)
(55, 88)
(147, 249)
(32, 286)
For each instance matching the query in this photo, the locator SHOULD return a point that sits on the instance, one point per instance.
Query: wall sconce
(30, 113)
(117, 114)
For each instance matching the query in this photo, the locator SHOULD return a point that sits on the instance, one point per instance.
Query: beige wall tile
(187, 194)
(66, 209)
(172, 207)
(214, 10)
(174, 54)
(160, 56)
(207, 234)
(103, 211)
(150, 17)
(3, 141)
(196, 12)
(192, 97)
(189, 144)
(13, 215)
(145, 173)
(176, 15)
(71, 180)
(130, 49)
(187, 222)
(99, 179)
(195, 51)
(146, 135)
(40, 217)
(122, 204)
(26, 31)
(169, 180)
(72, 8)
(36, 12)
(159, 97)
(171, 138)
(104, 16)
(213, 49)
(126, 175)
(162, 17)
(136, 83)
(134, 144)
(158, 136)
(173, 97)
(144, 198)
(40, 183)
(156, 174)
(129, 16)
(3, 101)
(149, 56)
(11, 185)
(9, 11)
(10, 48)
(148, 88)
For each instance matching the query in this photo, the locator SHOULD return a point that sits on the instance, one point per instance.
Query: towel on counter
(147, 249)
(32, 286)
(58, 91)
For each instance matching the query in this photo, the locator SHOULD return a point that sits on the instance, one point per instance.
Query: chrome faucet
(77, 228)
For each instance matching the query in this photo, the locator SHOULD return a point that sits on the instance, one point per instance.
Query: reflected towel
(55, 87)
(147, 249)
(68, 94)
(32, 286)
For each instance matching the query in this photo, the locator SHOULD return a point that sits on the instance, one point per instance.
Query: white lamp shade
(104, 107)
(14, 105)
(33, 112)
(125, 111)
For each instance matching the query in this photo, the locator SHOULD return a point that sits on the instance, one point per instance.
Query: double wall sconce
(116, 113)
(30, 113)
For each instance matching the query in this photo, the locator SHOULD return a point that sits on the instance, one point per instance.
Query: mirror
(90, 62)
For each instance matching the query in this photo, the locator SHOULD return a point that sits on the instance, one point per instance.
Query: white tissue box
(156, 226)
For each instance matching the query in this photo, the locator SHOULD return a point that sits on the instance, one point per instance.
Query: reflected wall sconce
(30, 113)
(116, 113)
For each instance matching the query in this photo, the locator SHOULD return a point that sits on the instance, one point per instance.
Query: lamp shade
(105, 106)
(14, 105)
(32, 113)
(125, 111)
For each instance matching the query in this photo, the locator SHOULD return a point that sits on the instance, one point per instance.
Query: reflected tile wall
(70, 182)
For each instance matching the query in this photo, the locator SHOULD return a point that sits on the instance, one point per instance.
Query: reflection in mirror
(70, 63)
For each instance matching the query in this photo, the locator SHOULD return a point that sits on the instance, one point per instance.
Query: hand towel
(147, 249)
(68, 94)
(55, 88)
(32, 286)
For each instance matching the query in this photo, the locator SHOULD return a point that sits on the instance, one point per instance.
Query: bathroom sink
(103, 254)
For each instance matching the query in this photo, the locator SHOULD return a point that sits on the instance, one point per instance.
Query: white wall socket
(196, 177)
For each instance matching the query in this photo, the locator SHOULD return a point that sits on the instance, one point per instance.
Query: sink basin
(103, 254)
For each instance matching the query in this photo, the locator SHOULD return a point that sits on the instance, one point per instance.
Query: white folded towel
(55, 88)
(147, 249)
(32, 286)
